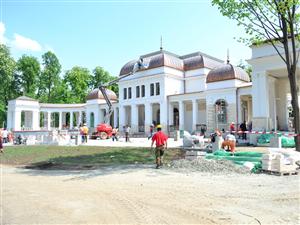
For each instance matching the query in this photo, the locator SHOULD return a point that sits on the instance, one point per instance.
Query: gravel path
(221, 167)
(143, 195)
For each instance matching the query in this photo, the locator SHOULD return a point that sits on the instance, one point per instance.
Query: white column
(249, 106)
(164, 115)
(195, 113)
(106, 112)
(115, 116)
(60, 121)
(48, 120)
(44, 120)
(134, 118)
(101, 115)
(9, 120)
(121, 117)
(35, 120)
(260, 94)
(17, 120)
(181, 115)
(79, 119)
(171, 114)
(96, 118)
(148, 116)
(71, 120)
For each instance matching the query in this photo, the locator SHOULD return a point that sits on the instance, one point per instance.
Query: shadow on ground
(100, 164)
(91, 173)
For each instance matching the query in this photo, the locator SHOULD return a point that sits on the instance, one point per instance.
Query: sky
(109, 33)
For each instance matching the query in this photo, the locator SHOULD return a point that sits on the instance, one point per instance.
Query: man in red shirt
(160, 140)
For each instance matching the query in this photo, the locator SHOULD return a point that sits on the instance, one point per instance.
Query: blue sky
(111, 33)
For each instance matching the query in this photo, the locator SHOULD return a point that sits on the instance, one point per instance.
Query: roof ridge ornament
(228, 61)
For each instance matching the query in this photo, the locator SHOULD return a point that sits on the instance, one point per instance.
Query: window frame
(152, 91)
(157, 88)
(124, 93)
(137, 91)
(129, 93)
(143, 90)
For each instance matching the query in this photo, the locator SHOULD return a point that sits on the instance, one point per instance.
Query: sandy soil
(143, 195)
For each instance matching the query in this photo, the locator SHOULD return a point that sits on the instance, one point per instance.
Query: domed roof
(156, 59)
(128, 67)
(96, 94)
(227, 72)
(197, 61)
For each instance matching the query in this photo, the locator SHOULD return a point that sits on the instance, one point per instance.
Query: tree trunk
(295, 105)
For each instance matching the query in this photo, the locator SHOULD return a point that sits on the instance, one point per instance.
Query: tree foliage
(27, 78)
(28, 71)
(101, 76)
(77, 80)
(247, 68)
(275, 22)
(7, 68)
(49, 79)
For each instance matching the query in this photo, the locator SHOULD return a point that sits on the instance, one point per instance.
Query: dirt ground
(143, 195)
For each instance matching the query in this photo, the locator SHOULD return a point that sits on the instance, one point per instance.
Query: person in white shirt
(5, 135)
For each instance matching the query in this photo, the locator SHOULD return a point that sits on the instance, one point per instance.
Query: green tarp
(286, 142)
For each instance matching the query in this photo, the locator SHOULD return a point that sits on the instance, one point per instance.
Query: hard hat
(158, 126)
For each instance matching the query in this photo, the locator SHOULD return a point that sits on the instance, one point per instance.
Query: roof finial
(161, 47)
(228, 61)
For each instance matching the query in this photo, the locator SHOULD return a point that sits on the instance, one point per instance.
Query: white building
(179, 92)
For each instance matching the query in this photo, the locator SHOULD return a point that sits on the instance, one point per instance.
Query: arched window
(92, 119)
(221, 111)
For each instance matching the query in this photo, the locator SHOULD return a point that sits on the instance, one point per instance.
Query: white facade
(271, 90)
(191, 92)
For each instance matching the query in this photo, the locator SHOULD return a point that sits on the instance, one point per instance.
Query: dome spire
(161, 43)
(228, 61)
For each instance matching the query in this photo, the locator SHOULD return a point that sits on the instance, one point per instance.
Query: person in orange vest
(160, 140)
(85, 131)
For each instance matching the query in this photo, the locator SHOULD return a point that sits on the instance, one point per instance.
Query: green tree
(246, 67)
(77, 80)
(63, 94)
(49, 78)
(277, 23)
(7, 69)
(101, 76)
(28, 70)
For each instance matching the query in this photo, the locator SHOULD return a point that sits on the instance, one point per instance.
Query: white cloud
(24, 43)
(19, 42)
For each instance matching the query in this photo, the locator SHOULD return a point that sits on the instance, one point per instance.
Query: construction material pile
(209, 166)
(280, 160)
(239, 158)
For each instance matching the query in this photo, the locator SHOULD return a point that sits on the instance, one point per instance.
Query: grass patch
(81, 156)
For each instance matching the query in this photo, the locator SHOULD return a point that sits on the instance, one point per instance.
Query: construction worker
(85, 131)
(160, 140)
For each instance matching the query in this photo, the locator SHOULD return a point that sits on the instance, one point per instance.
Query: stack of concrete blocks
(275, 142)
(276, 162)
(192, 155)
(192, 141)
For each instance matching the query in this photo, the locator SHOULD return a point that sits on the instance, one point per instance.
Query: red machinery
(104, 130)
